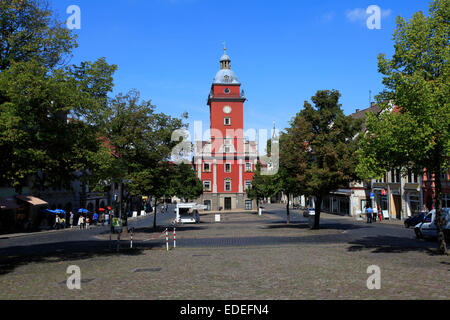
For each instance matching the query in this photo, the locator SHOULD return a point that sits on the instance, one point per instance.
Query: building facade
(226, 163)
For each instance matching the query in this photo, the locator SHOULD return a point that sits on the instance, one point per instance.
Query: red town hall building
(226, 163)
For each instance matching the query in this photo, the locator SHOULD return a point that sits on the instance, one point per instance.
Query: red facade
(227, 162)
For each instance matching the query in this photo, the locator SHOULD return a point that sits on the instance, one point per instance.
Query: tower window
(227, 121)
(228, 167)
(227, 91)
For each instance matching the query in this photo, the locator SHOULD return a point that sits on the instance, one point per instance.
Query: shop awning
(32, 200)
(8, 204)
(342, 192)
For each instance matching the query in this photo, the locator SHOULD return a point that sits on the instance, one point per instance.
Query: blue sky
(282, 51)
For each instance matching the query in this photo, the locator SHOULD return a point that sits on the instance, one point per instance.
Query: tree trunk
(288, 217)
(438, 220)
(317, 214)
(124, 215)
(155, 208)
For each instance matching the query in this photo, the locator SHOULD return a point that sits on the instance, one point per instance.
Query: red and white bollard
(174, 238)
(131, 235)
(167, 239)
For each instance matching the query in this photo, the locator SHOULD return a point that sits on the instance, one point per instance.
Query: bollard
(174, 238)
(131, 235)
(167, 239)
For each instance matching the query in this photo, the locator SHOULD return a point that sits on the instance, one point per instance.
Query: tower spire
(225, 61)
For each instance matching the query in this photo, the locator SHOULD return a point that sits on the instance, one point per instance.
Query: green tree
(185, 183)
(152, 182)
(416, 133)
(37, 94)
(263, 186)
(320, 145)
(29, 32)
(138, 143)
(286, 179)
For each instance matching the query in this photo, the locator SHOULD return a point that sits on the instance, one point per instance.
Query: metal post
(131, 235)
(174, 238)
(167, 239)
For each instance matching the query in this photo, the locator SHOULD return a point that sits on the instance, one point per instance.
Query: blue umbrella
(60, 211)
(50, 211)
(83, 211)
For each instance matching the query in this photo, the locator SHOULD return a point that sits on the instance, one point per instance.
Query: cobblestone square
(246, 256)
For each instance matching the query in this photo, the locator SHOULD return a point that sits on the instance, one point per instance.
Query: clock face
(227, 109)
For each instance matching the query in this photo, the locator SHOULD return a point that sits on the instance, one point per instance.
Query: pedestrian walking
(374, 215)
(81, 222)
(95, 218)
(71, 219)
(88, 221)
(57, 223)
(369, 213)
(63, 223)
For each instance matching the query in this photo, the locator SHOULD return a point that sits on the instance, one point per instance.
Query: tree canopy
(412, 131)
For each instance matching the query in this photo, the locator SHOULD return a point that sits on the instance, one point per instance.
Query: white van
(188, 212)
(428, 228)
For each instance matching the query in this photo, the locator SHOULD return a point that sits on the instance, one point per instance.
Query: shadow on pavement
(305, 225)
(388, 244)
(283, 225)
(14, 257)
(160, 230)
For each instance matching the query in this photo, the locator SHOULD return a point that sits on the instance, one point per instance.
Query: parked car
(428, 229)
(415, 219)
(309, 212)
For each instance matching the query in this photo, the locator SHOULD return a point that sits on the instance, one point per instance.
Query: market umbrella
(83, 211)
(50, 211)
(101, 210)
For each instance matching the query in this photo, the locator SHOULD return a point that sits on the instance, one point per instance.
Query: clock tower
(226, 163)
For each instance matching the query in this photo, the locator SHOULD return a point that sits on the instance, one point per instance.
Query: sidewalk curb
(23, 235)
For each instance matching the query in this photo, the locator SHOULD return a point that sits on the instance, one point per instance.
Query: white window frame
(204, 164)
(225, 167)
(204, 185)
(225, 186)
(227, 121)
